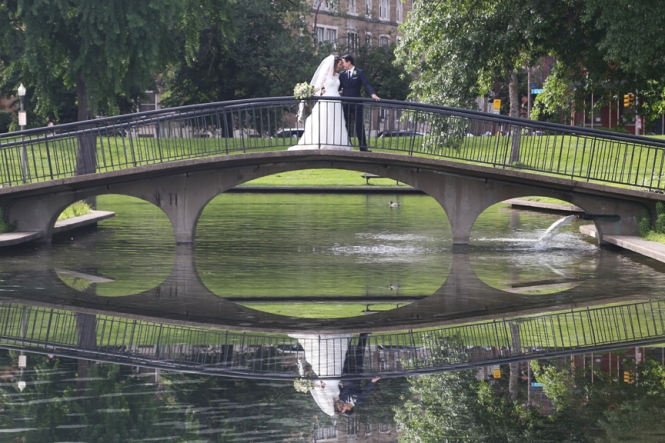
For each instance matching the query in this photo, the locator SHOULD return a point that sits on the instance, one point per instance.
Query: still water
(330, 260)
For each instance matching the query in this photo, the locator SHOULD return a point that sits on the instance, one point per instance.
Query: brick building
(348, 24)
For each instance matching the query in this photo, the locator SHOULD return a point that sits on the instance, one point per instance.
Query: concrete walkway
(554, 207)
(14, 238)
(633, 243)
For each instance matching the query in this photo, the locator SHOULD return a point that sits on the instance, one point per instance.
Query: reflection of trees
(114, 406)
(230, 408)
(455, 406)
(606, 407)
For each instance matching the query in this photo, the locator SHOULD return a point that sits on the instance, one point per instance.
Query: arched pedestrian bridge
(179, 159)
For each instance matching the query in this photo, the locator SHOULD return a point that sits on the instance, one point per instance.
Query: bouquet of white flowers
(303, 91)
(303, 385)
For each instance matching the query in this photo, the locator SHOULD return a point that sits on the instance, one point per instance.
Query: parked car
(400, 133)
(289, 133)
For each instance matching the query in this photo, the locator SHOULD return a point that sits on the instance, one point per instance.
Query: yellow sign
(497, 104)
(496, 373)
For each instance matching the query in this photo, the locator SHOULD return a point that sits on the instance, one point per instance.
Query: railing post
(24, 159)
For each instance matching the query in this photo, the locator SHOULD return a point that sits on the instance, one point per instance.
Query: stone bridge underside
(183, 189)
(184, 299)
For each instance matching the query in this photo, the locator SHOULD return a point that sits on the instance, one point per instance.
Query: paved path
(14, 238)
(637, 244)
(558, 207)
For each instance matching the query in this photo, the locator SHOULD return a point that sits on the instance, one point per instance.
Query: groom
(350, 80)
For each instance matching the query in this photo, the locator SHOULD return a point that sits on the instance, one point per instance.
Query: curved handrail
(165, 135)
(237, 354)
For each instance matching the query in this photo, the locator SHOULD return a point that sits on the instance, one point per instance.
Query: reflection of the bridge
(229, 353)
(183, 299)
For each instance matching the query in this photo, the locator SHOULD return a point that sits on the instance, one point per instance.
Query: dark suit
(354, 112)
(351, 391)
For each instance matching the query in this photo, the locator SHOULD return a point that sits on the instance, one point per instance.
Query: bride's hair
(338, 59)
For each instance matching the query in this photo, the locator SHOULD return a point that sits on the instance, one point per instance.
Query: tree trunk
(86, 333)
(86, 156)
(515, 131)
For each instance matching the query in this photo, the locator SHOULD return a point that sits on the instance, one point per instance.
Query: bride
(325, 128)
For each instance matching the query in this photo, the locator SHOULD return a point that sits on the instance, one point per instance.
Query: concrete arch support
(183, 190)
(39, 214)
(181, 197)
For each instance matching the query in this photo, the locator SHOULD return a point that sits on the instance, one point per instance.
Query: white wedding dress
(326, 355)
(325, 128)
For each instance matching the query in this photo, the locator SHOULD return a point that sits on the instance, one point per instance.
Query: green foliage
(99, 49)
(645, 224)
(460, 49)
(455, 406)
(557, 384)
(75, 210)
(6, 226)
(555, 101)
(5, 121)
(390, 80)
(656, 232)
(660, 208)
(261, 61)
(659, 226)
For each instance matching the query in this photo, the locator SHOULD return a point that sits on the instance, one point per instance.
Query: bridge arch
(183, 189)
(184, 197)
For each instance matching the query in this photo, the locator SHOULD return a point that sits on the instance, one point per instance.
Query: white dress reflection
(325, 354)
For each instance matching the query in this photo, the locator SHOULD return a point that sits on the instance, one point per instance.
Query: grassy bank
(321, 177)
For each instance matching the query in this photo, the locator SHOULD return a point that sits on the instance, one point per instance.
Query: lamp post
(22, 122)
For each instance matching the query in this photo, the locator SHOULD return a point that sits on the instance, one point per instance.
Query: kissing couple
(329, 124)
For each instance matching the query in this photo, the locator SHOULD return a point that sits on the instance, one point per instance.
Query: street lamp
(22, 363)
(22, 122)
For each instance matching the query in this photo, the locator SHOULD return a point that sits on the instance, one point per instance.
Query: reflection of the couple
(329, 360)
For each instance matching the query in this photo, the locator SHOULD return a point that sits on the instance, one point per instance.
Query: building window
(326, 5)
(384, 40)
(331, 35)
(368, 39)
(325, 34)
(384, 428)
(368, 8)
(353, 41)
(352, 7)
(398, 11)
(326, 433)
(353, 426)
(383, 10)
(398, 40)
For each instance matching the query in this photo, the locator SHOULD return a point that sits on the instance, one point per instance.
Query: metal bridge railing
(168, 135)
(228, 353)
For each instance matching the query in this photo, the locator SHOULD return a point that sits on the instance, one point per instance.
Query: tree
(390, 81)
(459, 49)
(101, 49)
(117, 406)
(271, 52)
